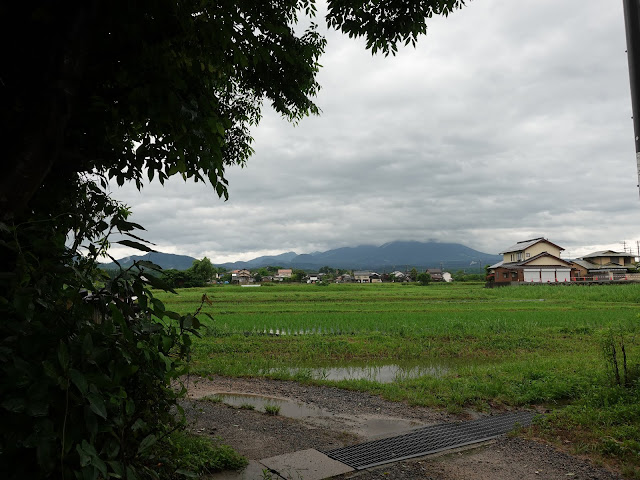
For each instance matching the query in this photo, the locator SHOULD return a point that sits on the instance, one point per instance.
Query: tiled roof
(608, 253)
(518, 247)
(584, 263)
(592, 267)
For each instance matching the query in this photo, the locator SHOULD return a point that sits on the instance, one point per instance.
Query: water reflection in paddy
(376, 372)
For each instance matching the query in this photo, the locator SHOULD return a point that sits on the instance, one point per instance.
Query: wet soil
(349, 417)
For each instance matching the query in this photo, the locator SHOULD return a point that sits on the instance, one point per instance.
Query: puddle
(374, 427)
(287, 407)
(381, 373)
(366, 425)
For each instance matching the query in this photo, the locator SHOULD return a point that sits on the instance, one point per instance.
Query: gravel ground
(353, 417)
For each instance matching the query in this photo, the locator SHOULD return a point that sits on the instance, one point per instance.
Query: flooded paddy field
(447, 346)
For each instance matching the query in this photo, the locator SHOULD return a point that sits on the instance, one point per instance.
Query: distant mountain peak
(399, 253)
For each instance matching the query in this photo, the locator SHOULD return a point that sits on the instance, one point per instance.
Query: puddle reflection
(287, 408)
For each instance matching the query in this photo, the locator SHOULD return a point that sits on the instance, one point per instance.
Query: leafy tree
(424, 278)
(203, 270)
(263, 272)
(128, 91)
(297, 275)
(414, 274)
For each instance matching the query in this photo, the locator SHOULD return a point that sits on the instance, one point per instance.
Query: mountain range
(165, 260)
(390, 256)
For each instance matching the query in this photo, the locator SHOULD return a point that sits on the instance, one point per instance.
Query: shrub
(90, 363)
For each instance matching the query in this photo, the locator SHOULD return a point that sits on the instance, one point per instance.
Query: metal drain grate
(428, 440)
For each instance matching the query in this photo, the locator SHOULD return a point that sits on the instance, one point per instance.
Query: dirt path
(333, 418)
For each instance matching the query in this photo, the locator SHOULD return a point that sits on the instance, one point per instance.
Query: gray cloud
(510, 120)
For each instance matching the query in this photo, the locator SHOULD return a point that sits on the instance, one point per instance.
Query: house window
(528, 255)
(512, 257)
(519, 256)
(505, 274)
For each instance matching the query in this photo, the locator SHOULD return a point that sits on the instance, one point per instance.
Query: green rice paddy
(533, 345)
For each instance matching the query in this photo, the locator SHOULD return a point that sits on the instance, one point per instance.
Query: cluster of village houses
(244, 277)
(536, 260)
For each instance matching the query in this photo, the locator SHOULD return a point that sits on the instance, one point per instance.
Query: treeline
(200, 273)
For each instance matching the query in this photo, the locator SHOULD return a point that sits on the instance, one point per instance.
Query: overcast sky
(510, 120)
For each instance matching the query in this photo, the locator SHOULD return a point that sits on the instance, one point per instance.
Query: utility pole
(632, 26)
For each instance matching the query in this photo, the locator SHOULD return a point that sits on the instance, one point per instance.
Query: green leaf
(86, 452)
(79, 381)
(136, 245)
(118, 469)
(131, 473)
(149, 265)
(147, 442)
(173, 315)
(138, 424)
(158, 305)
(158, 283)
(96, 403)
(112, 448)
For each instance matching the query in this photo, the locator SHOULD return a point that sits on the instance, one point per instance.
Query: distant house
(604, 265)
(282, 274)
(535, 261)
(362, 276)
(375, 278)
(399, 276)
(313, 278)
(346, 278)
(436, 274)
(611, 258)
(241, 276)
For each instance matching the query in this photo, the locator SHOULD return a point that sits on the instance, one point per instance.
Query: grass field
(517, 346)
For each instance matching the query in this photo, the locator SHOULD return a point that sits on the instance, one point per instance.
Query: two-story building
(241, 276)
(366, 276)
(604, 265)
(283, 273)
(536, 260)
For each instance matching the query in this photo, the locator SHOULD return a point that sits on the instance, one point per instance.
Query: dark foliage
(99, 91)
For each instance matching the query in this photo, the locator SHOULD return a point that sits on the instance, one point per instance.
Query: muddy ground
(343, 417)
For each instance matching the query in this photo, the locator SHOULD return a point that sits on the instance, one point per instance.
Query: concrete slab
(305, 464)
(253, 471)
